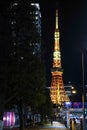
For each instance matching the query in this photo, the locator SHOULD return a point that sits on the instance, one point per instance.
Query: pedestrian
(74, 121)
(66, 123)
(51, 120)
(70, 124)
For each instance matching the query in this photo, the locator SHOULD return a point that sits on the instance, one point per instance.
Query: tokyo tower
(57, 91)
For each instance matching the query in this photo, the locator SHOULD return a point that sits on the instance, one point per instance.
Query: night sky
(73, 37)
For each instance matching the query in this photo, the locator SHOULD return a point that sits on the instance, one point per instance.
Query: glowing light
(9, 119)
(73, 91)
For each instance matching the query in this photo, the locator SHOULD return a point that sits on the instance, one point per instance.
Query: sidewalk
(55, 125)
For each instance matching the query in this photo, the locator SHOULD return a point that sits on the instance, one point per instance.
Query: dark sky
(73, 37)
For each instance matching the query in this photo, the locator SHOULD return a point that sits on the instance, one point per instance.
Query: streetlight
(83, 103)
(73, 91)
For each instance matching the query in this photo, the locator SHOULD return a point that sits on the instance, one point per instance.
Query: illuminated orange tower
(57, 91)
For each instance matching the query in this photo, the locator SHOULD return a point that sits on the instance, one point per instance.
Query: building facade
(25, 23)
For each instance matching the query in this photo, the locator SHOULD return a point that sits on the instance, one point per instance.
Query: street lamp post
(83, 103)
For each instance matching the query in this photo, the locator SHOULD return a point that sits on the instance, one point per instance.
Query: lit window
(22, 57)
(14, 43)
(13, 22)
(36, 17)
(15, 4)
(14, 53)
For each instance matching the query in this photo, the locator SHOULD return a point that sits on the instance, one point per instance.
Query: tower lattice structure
(57, 91)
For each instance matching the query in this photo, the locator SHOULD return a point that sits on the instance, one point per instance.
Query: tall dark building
(25, 22)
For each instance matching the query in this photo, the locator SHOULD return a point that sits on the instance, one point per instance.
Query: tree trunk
(1, 111)
(20, 111)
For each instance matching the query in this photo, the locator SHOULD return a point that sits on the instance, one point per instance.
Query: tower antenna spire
(56, 15)
(56, 18)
